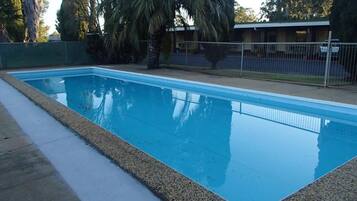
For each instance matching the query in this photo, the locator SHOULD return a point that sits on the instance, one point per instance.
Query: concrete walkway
(25, 173)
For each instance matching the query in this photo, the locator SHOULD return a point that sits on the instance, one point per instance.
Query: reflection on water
(238, 149)
(337, 144)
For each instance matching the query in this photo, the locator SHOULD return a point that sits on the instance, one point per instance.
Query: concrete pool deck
(341, 185)
(25, 173)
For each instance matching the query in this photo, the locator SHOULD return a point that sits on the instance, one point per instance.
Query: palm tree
(32, 12)
(132, 20)
(93, 17)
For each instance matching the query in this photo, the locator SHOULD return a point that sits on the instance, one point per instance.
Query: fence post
(242, 59)
(328, 60)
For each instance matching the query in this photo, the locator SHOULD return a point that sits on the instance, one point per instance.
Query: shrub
(214, 53)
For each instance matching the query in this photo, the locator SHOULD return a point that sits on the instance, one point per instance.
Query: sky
(54, 6)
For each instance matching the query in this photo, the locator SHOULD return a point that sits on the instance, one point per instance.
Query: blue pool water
(240, 145)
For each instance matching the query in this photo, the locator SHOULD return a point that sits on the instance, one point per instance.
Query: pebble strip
(340, 184)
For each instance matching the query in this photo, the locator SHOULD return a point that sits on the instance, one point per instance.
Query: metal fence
(324, 63)
(22, 55)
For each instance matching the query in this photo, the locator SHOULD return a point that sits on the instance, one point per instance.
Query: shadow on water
(335, 136)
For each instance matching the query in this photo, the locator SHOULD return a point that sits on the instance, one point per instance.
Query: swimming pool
(243, 145)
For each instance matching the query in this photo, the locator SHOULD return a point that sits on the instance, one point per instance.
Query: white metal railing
(320, 63)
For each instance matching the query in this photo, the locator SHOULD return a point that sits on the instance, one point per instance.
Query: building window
(301, 36)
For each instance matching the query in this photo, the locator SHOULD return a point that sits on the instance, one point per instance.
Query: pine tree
(344, 20)
(11, 19)
(73, 19)
(344, 26)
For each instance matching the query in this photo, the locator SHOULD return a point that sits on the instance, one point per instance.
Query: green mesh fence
(22, 55)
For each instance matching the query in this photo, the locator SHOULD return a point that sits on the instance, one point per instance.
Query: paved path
(25, 174)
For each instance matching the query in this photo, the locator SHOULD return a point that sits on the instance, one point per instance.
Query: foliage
(105, 8)
(72, 20)
(43, 32)
(284, 10)
(243, 15)
(11, 19)
(111, 50)
(344, 26)
(214, 53)
(96, 48)
(344, 20)
(129, 21)
(43, 28)
(11, 14)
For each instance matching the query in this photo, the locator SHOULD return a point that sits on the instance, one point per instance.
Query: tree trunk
(4, 36)
(154, 46)
(93, 24)
(32, 12)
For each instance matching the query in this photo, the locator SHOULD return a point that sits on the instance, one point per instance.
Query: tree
(43, 28)
(93, 17)
(32, 11)
(344, 20)
(42, 32)
(11, 20)
(72, 20)
(131, 19)
(105, 9)
(214, 53)
(344, 26)
(284, 10)
(243, 15)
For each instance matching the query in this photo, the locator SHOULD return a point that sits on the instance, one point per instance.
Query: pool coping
(165, 182)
